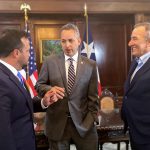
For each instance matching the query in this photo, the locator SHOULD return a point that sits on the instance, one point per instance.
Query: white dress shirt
(10, 67)
(67, 63)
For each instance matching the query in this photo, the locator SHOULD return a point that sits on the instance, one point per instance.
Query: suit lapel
(132, 68)
(139, 74)
(141, 71)
(61, 64)
(14, 79)
(23, 91)
(79, 73)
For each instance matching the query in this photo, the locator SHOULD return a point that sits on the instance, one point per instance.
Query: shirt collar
(143, 58)
(75, 57)
(10, 67)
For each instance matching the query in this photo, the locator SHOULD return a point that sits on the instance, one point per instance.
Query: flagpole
(26, 7)
(87, 31)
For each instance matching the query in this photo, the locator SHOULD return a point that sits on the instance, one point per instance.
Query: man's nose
(67, 43)
(130, 43)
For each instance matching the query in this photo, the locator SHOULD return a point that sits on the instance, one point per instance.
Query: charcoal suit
(81, 104)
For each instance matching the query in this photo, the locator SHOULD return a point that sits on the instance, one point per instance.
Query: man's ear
(79, 40)
(15, 53)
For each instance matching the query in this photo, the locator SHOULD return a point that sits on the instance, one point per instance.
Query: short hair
(10, 39)
(71, 26)
(146, 25)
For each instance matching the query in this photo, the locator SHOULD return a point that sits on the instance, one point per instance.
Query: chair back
(107, 103)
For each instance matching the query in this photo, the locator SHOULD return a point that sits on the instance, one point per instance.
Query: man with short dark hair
(16, 122)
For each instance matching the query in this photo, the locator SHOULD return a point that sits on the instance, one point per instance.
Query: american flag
(88, 50)
(32, 68)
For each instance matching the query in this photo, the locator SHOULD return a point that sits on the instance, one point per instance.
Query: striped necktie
(71, 75)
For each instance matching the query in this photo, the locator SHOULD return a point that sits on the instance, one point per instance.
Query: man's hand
(59, 92)
(53, 95)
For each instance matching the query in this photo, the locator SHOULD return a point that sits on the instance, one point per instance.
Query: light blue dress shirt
(141, 61)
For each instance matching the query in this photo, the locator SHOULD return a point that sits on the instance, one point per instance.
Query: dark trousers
(89, 142)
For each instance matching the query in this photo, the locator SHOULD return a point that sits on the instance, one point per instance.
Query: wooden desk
(111, 129)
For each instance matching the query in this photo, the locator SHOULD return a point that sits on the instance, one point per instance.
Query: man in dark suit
(16, 122)
(73, 115)
(136, 101)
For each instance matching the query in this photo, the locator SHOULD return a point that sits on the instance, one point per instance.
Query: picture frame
(48, 47)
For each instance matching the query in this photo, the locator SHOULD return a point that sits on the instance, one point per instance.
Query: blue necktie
(20, 78)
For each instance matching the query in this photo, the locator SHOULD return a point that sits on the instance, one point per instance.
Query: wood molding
(70, 6)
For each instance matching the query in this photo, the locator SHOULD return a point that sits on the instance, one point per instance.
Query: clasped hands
(53, 95)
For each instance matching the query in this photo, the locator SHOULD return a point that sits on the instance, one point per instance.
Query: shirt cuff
(42, 105)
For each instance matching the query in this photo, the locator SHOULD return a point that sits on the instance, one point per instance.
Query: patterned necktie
(71, 75)
(20, 78)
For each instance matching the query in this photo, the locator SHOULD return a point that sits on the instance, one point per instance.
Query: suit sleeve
(37, 104)
(42, 85)
(93, 104)
(6, 137)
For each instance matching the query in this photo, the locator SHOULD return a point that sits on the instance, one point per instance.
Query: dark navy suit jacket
(136, 104)
(16, 123)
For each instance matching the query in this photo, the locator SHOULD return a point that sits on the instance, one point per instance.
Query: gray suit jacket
(82, 103)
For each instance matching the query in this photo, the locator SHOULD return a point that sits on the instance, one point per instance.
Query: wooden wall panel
(111, 33)
(76, 6)
(9, 26)
(111, 50)
(11, 21)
